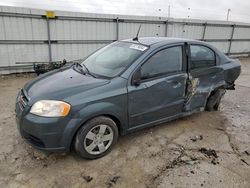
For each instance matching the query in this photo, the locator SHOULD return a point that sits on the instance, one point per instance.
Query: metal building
(32, 35)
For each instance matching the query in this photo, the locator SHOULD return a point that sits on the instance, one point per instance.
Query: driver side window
(163, 62)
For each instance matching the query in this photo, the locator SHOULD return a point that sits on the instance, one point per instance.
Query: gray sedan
(124, 86)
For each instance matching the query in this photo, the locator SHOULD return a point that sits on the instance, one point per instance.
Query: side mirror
(136, 79)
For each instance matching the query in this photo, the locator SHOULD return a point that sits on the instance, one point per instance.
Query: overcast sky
(198, 9)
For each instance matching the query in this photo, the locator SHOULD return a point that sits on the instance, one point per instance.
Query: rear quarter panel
(232, 69)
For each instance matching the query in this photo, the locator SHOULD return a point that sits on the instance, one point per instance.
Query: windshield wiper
(88, 70)
(81, 67)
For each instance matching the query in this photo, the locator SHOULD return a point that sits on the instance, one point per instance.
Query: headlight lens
(50, 108)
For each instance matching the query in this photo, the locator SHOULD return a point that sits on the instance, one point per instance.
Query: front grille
(22, 100)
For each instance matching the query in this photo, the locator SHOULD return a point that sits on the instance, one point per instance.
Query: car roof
(154, 40)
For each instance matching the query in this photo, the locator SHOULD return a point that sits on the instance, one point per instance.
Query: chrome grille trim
(22, 100)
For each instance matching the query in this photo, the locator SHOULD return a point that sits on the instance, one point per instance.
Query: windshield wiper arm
(81, 69)
(88, 70)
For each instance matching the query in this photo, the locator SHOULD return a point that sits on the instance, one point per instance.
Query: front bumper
(48, 134)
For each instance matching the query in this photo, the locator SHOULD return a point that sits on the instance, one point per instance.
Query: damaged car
(122, 87)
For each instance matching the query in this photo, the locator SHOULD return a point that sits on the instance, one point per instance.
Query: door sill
(164, 120)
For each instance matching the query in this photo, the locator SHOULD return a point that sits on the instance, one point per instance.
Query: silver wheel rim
(98, 139)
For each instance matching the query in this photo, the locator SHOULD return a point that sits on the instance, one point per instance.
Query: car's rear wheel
(96, 137)
(214, 99)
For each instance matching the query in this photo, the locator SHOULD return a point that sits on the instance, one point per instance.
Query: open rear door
(203, 76)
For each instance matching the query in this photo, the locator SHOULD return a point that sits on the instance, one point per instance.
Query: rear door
(162, 90)
(204, 75)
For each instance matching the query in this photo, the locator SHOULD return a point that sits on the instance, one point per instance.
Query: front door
(161, 92)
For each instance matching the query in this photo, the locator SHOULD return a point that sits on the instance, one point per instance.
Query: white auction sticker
(138, 47)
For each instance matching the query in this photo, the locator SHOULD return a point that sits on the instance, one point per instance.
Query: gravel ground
(208, 149)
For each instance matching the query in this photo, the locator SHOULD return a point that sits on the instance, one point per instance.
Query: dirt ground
(208, 149)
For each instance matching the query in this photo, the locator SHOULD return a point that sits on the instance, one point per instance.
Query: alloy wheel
(98, 139)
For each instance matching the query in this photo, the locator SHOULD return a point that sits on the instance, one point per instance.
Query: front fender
(93, 110)
(103, 108)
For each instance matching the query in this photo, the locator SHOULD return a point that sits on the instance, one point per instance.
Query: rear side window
(201, 57)
(165, 61)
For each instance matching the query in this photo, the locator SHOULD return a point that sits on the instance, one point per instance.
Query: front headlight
(50, 108)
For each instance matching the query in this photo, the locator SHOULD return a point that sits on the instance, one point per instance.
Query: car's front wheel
(96, 137)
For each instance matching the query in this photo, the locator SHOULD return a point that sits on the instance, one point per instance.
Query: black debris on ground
(196, 138)
(209, 152)
(113, 181)
(220, 129)
(247, 153)
(244, 162)
(87, 178)
(214, 161)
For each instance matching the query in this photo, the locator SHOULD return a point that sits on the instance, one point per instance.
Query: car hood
(61, 84)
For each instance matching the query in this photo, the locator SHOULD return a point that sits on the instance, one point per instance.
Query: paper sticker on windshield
(138, 47)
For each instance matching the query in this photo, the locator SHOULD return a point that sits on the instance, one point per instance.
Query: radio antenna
(136, 38)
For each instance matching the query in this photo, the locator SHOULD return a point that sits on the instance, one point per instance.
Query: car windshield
(112, 59)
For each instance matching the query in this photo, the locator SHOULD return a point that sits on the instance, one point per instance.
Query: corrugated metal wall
(26, 35)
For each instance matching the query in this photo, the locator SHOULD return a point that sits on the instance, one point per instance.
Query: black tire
(89, 127)
(213, 101)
